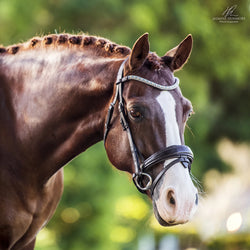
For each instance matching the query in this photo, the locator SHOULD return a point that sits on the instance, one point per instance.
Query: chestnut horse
(59, 95)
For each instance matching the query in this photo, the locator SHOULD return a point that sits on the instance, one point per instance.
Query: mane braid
(100, 46)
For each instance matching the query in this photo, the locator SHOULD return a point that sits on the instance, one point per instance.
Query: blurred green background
(100, 207)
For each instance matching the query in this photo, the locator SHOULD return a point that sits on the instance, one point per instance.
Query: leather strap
(175, 151)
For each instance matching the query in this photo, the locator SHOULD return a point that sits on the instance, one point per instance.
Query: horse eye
(190, 113)
(136, 114)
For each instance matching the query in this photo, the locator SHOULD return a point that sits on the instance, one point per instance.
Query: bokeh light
(132, 207)
(70, 215)
(234, 222)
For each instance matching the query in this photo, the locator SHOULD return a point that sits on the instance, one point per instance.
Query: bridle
(178, 153)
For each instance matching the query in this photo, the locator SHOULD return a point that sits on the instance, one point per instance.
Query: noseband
(177, 153)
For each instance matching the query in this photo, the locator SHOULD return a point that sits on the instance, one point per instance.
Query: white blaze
(167, 103)
(176, 182)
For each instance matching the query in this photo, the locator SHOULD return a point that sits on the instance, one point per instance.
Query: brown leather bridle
(179, 153)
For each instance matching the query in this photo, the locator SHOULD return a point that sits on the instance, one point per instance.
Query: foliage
(231, 242)
(92, 213)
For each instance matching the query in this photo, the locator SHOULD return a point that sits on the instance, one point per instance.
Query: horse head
(149, 105)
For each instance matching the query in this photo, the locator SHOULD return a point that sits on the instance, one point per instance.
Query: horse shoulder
(25, 212)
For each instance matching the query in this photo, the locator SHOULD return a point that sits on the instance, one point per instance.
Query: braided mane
(101, 46)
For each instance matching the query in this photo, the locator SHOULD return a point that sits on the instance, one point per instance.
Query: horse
(62, 93)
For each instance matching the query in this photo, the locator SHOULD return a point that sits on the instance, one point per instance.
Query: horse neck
(60, 101)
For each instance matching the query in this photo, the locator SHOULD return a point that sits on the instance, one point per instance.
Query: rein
(179, 153)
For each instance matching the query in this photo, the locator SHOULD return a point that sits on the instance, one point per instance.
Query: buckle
(137, 179)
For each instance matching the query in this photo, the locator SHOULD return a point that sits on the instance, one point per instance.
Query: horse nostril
(171, 198)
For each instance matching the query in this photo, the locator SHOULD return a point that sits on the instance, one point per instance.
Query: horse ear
(178, 56)
(139, 52)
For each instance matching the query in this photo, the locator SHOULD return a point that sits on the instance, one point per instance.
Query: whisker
(198, 184)
(190, 130)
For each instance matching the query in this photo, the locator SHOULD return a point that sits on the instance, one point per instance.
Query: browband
(121, 79)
